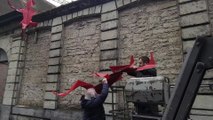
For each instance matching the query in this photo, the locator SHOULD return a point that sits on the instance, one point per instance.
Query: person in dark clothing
(144, 73)
(92, 103)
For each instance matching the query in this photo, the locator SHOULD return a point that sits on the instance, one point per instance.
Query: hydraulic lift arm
(195, 65)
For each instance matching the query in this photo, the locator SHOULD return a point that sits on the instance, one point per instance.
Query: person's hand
(104, 81)
(134, 66)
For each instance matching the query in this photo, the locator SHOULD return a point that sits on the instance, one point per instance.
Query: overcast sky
(59, 2)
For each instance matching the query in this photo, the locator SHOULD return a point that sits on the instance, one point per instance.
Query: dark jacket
(144, 73)
(93, 109)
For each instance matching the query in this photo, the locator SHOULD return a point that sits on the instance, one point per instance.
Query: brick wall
(80, 57)
(152, 26)
(35, 71)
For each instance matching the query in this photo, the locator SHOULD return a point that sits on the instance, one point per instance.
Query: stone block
(193, 7)
(57, 21)
(55, 53)
(53, 78)
(109, 16)
(55, 45)
(69, 17)
(56, 37)
(75, 14)
(9, 86)
(109, 54)
(50, 96)
(16, 43)
(108, 44)
(57, 29)
(194, 19)
(86, 11)
(109, 25)
(109, 98)
(13, 65)
(8, 94)
(14, 57)
(80, 13)
(107, 108)
(193, 32)
(46, 23)
(104, 65)
(64, 18)
(108, 35)
(202, 101)
(49, 104)
(54, 61)
(119, 3)
(11, 79)
(41, 24)
(126, 2)
(51, 87)
(15, 50)
(7, 101)
(92, 10)
(12, 71)
(53, 69)
(98, 9)
(50, 22)
(187, 45)
(110, 6)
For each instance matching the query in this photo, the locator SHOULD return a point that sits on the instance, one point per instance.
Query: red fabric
(73, 87)
(27, 13)
(123, 67)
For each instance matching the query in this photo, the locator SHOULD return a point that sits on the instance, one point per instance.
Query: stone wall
(3, 77)
(152, 26)
(80, 57)
(35, 69)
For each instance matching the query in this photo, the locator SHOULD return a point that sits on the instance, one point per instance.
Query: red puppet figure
(27, 13)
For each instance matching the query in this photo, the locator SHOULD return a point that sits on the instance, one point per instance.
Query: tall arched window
(3, 72)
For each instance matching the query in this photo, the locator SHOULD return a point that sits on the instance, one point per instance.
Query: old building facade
(75, 40)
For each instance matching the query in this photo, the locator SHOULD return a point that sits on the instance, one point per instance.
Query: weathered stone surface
(13, 65)
(56, 37)
(109, 54)
(119, 3)
(16, 43)
(75, 14)
(126, 2)
(53, 78)
(50, 104)
(109, 25)
(80, 13)
(81, 57)
(92, 10)
(55, 53)
(53, 69)
(7, 101)
(51, 87)
(50, 96)
(55, 45)
(192, 7)
(194, 19)
(69, 17)
(57, 21)
(86, 11)
(16, 50)
(11, 79)
(109, 44)
(110, 6)
(109, 16)
(104, 65)
(35, 70)
(98, 9)
(10, 86)
(108, 35)
(187, 45)
(64, 18)
(56, 29)
(54, 61)
(193, 32)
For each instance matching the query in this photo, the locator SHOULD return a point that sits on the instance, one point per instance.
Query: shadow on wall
(3, 72)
